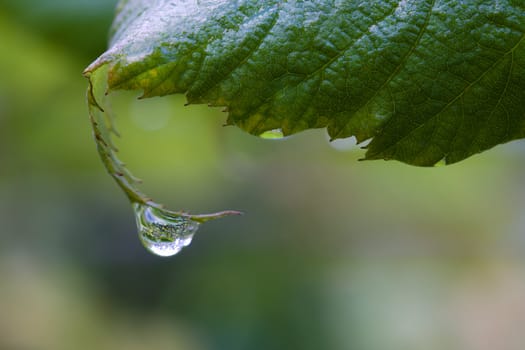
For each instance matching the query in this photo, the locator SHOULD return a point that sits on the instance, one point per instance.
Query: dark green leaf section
(427, 80)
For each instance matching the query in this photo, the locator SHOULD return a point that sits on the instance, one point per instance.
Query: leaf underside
(426, 80)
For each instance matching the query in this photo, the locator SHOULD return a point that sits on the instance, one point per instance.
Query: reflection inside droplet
(274, 134)
(161, 232)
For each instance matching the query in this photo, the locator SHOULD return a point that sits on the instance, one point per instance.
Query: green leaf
(426, 80)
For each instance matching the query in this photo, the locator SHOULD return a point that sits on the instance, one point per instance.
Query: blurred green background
(331, 254)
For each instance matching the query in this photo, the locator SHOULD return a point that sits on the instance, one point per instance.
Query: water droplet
(274, 134)
(161, 232)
